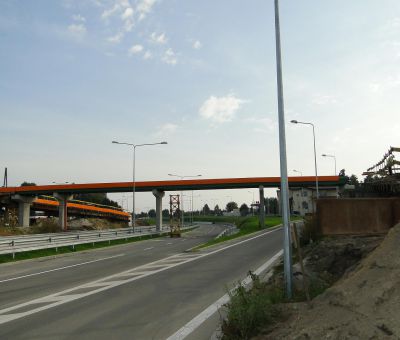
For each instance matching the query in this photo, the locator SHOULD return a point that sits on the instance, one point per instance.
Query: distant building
(234, 212)
(302, 200)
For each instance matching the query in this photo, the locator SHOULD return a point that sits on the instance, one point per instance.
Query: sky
(201, 75)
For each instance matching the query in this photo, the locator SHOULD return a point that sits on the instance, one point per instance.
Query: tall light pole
(301, 174)
(133, 177)
(182, 177)
(315, 152)
(334, 158)
(287, 256)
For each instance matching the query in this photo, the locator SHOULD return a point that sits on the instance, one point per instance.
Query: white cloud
(128, 13)
(120, 7)
(144, 7)
(78, 17)
(116, 39)
(220, 109)
(166, 130)
(77, 31)
(197, 45)
(127, 18)
(158, 39)
(169, 57)
(135, 49)
(147, 55)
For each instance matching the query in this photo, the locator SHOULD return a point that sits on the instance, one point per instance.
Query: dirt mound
(365, 304)
(94, 224)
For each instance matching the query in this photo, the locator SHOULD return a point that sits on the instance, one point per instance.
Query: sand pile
(365, 304)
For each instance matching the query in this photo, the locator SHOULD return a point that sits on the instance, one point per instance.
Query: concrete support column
(262, 207)
(24, 209)
(159, 196)
(62, 208)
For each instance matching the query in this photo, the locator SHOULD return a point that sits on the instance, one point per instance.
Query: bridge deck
(175, 185)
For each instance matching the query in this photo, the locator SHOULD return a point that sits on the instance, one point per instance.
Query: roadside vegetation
(262, 311)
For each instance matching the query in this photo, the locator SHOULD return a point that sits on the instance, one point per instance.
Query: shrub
(250, 310)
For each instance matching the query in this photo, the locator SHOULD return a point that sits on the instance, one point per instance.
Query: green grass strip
(246, 225)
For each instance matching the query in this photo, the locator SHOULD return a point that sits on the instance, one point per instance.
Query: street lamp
(182, 177)
(334, 158)
(301, 174)
(287, 245)
(315, 152)
(134, 184)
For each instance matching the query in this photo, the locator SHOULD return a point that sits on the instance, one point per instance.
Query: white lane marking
(62, 297)
(187, 329)
(148, 248)
(60, 268)
(169, 243)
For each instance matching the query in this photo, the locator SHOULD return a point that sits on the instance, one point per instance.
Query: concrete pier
(159, 196)
(262, 207)
(62, 209)
(24, 208)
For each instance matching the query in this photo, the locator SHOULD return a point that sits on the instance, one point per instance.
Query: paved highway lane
(27, 280)
(141, 300)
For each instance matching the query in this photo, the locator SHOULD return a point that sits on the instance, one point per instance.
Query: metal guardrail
(230, 230)
(23, 243)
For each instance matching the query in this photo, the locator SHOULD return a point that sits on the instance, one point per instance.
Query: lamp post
(182, 177)
(331, 156)
(301, 174)
(287, 256)
(315, 152)
(133, 174)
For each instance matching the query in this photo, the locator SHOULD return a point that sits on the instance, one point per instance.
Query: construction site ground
(363, 300)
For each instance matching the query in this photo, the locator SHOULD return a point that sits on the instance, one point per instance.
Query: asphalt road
(144, 290)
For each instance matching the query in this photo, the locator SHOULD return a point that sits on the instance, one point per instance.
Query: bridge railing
(23, 243)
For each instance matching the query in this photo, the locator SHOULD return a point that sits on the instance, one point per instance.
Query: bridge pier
(62, 198)
(24, 208)
(159, 196)
(262, 207)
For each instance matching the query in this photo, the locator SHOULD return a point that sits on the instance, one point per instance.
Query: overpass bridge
(25, 195)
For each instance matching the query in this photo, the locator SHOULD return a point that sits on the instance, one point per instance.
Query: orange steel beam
(189, 184)
(82, 207)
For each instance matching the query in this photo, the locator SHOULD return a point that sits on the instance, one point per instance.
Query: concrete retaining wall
(357, 215)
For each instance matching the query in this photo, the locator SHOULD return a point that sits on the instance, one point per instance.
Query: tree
(206, 209)
(152, 213)
(217, 210)
(354, 181)
(99, 198)
(271, 204)
(28, 184)
(165, 213)
(230, 206)
(244, 209)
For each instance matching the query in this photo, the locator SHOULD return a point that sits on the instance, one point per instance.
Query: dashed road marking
(106, 283)
(60, 268)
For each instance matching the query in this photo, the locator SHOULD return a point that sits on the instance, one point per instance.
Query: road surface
(142, 290)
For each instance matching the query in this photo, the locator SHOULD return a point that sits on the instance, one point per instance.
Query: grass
(69, 249)
(246, 225)
(72, 249)
(252, 311)
(249, 310)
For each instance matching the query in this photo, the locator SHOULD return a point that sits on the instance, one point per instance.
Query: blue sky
(76, 75)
